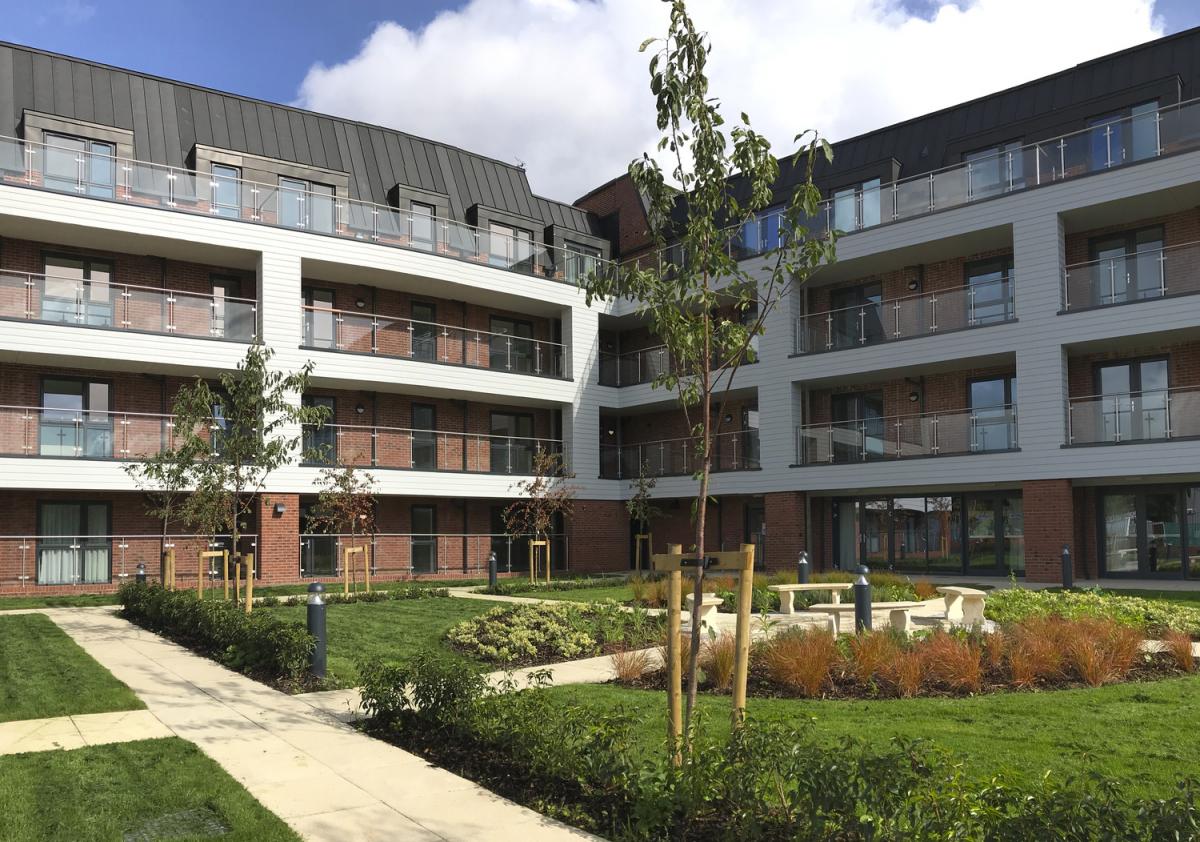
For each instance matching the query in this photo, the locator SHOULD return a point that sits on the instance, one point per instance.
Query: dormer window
(79, 165)
(306, 204)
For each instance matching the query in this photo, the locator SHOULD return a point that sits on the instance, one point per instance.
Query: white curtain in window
(56, 558)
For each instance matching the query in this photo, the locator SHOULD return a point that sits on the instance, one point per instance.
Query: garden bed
(1035, 654)
(533, 634)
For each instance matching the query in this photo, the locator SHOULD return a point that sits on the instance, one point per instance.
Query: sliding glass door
(1142, 532)
(73, 547)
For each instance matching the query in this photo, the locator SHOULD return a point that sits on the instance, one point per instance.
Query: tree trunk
(701, 517)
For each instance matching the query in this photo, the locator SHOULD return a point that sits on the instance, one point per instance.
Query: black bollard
(802, 567)
(1068, 569)
(492, 570)
(316, 627)
(140, 576)
(862, 601)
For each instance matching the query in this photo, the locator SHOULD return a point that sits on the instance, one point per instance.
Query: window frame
(82, 504)
(220, 208)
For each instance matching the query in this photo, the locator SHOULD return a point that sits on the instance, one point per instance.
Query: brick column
(787, 531)
(598, 536)
(278, 538)
(1049, 523)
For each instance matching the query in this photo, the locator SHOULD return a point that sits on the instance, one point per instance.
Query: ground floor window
(74, 546)
(1151, 531)
(940, 533)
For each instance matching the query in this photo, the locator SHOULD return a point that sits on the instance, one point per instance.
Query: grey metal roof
(167, 118)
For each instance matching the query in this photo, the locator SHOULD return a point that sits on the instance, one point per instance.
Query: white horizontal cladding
(51, 344)
(398, 483)
(48, 474)
(334, 369)
(1158, 315)
(64, 209)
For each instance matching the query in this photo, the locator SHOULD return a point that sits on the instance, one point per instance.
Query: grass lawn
(336, 587)
(393, 631)
(139, 791)
(83, 600)
(43, 673)
(1144, 735)
(618, 593)
(1188, 598)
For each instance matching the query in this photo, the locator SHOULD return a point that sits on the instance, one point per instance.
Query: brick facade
(787, 530)
(1049, 524)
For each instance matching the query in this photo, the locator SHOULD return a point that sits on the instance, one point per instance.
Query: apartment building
(1003, 360)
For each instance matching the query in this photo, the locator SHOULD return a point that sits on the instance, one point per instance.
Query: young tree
(701, 210)
(165, 479)
(346, 502)
(641, 508)
(242, 430)
(547, 494)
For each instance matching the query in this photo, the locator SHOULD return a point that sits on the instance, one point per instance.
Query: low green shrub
(339, 598)
(1154, 616)
(517, 587)
(259, 644)
(544, 632)
(767, 782)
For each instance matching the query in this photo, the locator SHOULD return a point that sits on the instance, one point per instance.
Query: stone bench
(964, 606)
(708, 606)
(787, 593)
(899, 616)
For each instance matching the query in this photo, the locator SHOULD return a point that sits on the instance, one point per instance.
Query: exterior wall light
(280, 508)
(360, 303)
(914, 396)
(359, 409)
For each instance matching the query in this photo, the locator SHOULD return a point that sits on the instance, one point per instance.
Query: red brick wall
(1049, 523)
(1183, 365)
(787, 531)
(943, 392)
(620, 197)
(599, 536)
(1178, 228)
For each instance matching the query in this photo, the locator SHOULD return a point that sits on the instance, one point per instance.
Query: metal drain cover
(202, 822)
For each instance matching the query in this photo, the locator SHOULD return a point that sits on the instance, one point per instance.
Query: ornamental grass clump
(872, 654)
(954, 661)
(1179, 646)
(629, 666)
(801, 660)
(1102, 651)
(716, 659)
(1035, 652)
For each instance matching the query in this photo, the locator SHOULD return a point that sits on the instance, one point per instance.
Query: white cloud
(559, 84)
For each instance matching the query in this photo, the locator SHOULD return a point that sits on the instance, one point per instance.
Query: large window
(1133, 400)
(762, 233)
(580, 261)
(509, 247)
(424, 331)
(858, 432)
(76, 164)
(421, 219)
(1149, 532)
(226, 191)
(512, 346)
(989, 291)
(512, 443)
(306, 204)
(73, 544)
(318, 552)
(857, 317)
(76, 419)
(319, 444)
(1128, 266)
(1130, 134)
(423, 540)
(941, 534)
(424, 439)
(230, 319)
(993, 407)
(994, 170)
(320, 319)
(78, 290)
(857, 206)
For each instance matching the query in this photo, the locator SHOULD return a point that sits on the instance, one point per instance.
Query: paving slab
(326, 780)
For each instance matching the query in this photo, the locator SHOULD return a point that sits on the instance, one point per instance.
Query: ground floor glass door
(1142, 532)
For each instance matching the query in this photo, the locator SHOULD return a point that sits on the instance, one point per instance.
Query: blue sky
(557, 85)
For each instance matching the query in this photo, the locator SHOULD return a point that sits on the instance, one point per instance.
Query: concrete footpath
(323, 778)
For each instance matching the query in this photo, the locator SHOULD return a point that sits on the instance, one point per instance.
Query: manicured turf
(139, 791)
(1190, 598)
(393, 631)
(336, 587)
(1144, 735)
(43, 673)
(617, 593)
(11, 603)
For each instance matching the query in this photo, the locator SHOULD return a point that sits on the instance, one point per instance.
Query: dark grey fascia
(36, 123)
(481, 216)
(558, 236)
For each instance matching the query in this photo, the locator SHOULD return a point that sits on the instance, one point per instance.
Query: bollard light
(862, 601)
(492, 569)
(140, 576)
(316, 627)
(1068, 569)
(802, 568)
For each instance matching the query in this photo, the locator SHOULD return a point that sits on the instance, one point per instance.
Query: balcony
(977, 305)
(44, 166)
(101, 304)
(992, 430)
(397, 448)
(1138, 276)
(634, 367)
(342, 330)
(396, 554)
(1158, 415)
(736, 451)
(70, 434)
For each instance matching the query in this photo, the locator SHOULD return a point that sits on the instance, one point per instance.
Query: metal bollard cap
(314, 593)
(863, 570)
